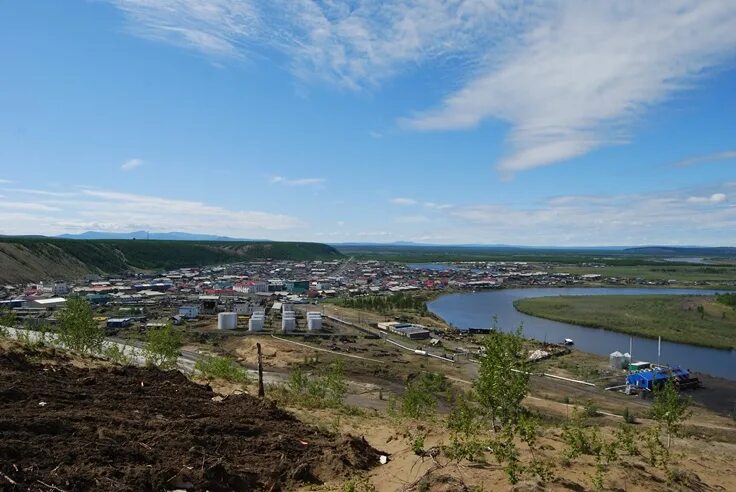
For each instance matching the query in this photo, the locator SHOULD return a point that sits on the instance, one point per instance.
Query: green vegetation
(116, 355)
(162, 349)
(670, 409)
(674, 318)
(326, 390)
(420, 396)
(386, 303)
(727, 299)
(23, 255)
(222, 368)
(77, 328)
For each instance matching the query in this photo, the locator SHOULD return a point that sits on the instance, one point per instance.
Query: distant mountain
(159, 236)
(683, 251)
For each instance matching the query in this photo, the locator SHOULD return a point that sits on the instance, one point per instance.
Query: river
(475, 310)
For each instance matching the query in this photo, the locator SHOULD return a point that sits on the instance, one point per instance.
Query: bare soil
(123, 428)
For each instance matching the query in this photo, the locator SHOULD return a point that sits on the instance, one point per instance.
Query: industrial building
(408, 330)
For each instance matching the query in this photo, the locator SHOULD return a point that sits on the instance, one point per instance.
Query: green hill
(32, 259)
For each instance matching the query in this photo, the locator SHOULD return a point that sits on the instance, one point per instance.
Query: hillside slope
(33, 259)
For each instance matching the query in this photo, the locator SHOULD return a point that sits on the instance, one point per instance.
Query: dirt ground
(72, 428)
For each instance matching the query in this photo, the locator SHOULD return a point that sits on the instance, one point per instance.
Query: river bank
(693, 320)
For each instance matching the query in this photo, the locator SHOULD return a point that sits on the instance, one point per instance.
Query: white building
(189, 312)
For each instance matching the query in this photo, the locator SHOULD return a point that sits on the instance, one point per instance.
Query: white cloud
(568, 76)
(6, 181)
(707, 158)
(403, 201)
(437, 206)
(28, 206)
(714, 198)
(55, 213)
(131, 164)
(574, 80)
(297, 182)
(625, 219)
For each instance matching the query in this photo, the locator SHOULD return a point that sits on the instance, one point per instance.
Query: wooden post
(261, 391)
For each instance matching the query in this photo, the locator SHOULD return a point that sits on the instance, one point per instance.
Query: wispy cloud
(297, 182)
(131, 164)
(707, 158)
(6, 181)
(111, 210)
(403, 201)
(675, 217)
(574, 80)
(28, 206)
(568, 76)
(437, 206)
(714, 198)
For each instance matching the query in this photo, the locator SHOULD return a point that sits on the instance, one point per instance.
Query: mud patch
(144, 430)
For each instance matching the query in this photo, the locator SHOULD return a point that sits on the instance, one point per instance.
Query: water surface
(476, 309)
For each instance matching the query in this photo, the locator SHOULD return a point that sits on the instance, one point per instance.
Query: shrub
(420, 395)
(163, 345)
(326, 390)
(628, 416)
(115, 354)
(222, 368)
(77, 328)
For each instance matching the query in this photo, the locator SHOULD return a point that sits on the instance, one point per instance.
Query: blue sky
(476, 121)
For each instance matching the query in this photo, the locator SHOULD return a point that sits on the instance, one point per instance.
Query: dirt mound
(143, 429)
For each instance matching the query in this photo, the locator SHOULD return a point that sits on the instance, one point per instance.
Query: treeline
(385, 304)
(727, 299)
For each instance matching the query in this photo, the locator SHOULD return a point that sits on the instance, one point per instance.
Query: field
(31, 259)
(674, 318)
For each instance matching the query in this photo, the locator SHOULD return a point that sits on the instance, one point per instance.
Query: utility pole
(261, 391)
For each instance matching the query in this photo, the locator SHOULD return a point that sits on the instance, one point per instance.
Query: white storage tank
(288, 322)
(227, 321)
(255, 323)
(616, 360)
(314, 321)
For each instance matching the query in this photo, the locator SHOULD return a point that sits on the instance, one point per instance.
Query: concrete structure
(414, 332)
(227, 321)
(189, 312)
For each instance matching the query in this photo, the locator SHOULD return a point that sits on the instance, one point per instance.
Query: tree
(77, 328)
(669, 409)
(503, 380)
(163, 346)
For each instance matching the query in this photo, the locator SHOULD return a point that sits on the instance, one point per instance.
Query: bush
(77, 328)
(326, 390)
(163, 345)
(115, 354)
(420, 395)
(628, 416)
(222, 368)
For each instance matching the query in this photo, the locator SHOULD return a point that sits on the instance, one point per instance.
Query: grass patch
(222, 368)
(695, 320)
